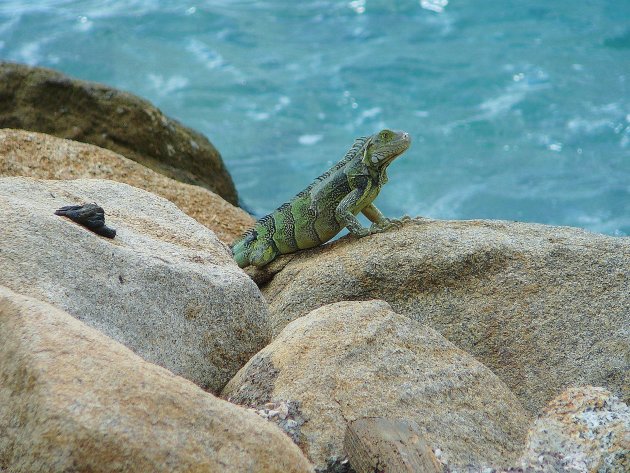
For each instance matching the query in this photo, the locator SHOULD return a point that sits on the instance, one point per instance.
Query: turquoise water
(518, 109)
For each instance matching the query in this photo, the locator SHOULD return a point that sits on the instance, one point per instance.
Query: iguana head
(385, 146)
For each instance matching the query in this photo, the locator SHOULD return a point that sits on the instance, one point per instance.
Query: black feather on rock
(91, 216)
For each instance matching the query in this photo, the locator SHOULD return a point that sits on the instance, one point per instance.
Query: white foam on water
(602, 223)
(283, 102)
(206, 56)
(581, 125)
(165, 86)
(19, 7)
(434, 5)
(83, 24)
(449, 204)
(115, 8)
(520, 86)
(371, 112)
(490, 109)
(499, 105)
(607, 119)
(309, 140)
(258, 116)
(100, 9)
(358, 6)
(523, 83)
(30, 53)
(9, 23)
(366, 114)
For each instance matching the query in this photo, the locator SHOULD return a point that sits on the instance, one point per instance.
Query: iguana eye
(385, 135)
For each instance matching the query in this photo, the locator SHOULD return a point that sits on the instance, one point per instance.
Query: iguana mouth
(399, 146)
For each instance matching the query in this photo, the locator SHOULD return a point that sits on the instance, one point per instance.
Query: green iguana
(329, 204)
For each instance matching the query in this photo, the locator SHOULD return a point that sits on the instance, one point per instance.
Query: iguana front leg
(380, 222)
(374, 215)
(346, 218)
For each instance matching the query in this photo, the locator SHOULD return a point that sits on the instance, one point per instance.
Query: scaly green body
(329, 204)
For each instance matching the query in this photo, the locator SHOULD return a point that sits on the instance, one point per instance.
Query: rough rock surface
(38, 99)
(25, 153)
(166, 287)
(543, 307)
(72, 399)
(351, 360)
(584, 429)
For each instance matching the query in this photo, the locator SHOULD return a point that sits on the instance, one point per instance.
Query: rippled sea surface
(519, 110)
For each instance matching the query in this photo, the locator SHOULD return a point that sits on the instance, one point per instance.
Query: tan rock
(39, 99)
(585, 429)
(30, 154)
(166, 287)
(351, 360)
(543, 307)
(374, 443)
(72, 399)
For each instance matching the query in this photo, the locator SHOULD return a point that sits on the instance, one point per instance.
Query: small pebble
(284, 410)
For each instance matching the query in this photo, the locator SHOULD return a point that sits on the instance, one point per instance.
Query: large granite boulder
(26, 153)
(351, 360)
(72, 399)
(585, 429)
(166, 287)
(543, 307)
(39, 99)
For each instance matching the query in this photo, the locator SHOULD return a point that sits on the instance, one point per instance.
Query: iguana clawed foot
(384, 225)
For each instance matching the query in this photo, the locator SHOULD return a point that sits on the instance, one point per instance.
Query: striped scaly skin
(329, 204)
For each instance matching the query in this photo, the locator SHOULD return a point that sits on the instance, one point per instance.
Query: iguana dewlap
(329, 204)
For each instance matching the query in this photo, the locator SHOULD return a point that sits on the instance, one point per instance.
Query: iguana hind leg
(263, 254)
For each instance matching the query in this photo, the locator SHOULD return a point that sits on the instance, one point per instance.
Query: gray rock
(583, 430)
(543, 307)
(73, 400)
(166, 287)
(39, 99)
(352, 360)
